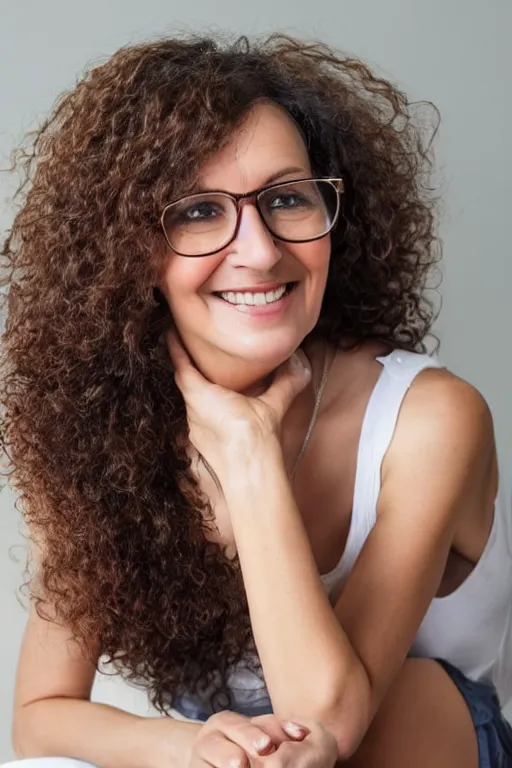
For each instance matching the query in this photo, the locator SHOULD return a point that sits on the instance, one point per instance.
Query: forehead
(267, 142)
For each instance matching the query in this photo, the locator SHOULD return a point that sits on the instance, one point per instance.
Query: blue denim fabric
(494, 733)
(194, 712)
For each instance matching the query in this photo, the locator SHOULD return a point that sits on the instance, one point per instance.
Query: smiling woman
(232, 308)
(247, 484)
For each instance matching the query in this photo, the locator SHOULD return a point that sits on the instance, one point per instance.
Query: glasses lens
(200, 224)
(300, 210)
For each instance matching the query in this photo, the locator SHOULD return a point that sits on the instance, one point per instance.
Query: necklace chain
(311, 426)
(314, 415)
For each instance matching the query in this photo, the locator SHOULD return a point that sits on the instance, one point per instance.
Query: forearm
(308, 661)
(102, 735)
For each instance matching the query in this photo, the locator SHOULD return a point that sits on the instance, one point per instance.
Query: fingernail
(292, 729)
(261, 745)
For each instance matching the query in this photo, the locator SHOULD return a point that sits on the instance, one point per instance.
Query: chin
(269, 355)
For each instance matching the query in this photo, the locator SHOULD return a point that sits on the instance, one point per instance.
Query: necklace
(311, 426)
(312, 421)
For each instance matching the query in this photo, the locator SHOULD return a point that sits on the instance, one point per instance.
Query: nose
(253, 246)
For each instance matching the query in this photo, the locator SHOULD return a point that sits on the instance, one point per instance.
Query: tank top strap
(399, 369)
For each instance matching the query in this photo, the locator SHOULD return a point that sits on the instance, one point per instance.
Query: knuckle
(232, 718)
(209, 742)
(236, 758)
(256, 738)
(226, 721)
(274, 760)
(215, 748)
(223, 717)
(234, 753)
(279, 759)
(253, 727)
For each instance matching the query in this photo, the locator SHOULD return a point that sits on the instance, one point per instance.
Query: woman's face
(219, 332)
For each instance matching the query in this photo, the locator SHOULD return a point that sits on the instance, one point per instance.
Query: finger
(186, 374)
(252, 739)
(290, 379)
(272, 727)
(178, 354)
(280, 732)
(219, 751)
(197, 762)
(295, 755)
(295, 731)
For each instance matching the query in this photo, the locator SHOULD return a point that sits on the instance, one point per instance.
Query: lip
(261, 310)
(260, 288)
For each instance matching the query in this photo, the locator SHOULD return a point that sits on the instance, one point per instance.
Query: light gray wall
(453, 52)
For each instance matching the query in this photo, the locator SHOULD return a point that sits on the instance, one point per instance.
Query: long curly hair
(93, 425)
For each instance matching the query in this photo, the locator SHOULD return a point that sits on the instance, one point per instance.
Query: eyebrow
(286, 172)
(270, 179)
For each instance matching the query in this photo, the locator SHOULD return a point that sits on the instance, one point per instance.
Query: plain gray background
(455, 53)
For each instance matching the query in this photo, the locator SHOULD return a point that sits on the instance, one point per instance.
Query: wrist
(249, 440)
(251, 464)
(167, 742)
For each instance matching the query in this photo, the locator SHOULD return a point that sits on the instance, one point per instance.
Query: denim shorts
(493, 732)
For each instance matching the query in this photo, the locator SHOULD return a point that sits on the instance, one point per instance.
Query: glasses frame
(253, 198)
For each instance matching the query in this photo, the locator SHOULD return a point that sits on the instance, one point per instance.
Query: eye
(287, 200)
(200, 212)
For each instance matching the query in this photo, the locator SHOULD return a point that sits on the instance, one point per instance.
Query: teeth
(254, 299)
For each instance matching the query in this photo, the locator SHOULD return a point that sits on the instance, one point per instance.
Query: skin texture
(174, 547)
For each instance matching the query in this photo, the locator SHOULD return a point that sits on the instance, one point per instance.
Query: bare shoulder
(445, 403)
(439, 407)
(445, 424)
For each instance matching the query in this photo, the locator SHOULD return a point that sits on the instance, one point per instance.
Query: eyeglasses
(294, 211)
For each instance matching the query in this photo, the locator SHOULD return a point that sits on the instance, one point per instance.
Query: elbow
(345, 710)
(19, 738)
(347, 722)
(347, 742)
(24, 734)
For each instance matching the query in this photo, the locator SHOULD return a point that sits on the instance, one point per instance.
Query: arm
(335, 666)
(54, 716)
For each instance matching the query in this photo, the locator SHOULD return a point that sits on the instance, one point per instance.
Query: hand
(318, 749)
(230, 740)
(221, 421)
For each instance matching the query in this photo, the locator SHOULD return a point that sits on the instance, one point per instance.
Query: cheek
(184, 278)
(315, 258)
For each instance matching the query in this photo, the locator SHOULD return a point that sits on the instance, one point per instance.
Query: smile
(256, 298)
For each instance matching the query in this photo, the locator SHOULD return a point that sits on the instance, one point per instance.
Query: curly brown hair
(92, 421)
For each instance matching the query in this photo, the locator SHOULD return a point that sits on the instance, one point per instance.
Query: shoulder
(438, 407)
(442, 402)
(446, 422)
(439, 469)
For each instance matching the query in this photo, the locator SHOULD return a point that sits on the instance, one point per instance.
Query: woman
(247, 484)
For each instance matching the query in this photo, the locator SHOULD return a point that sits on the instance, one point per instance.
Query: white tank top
(470, 628)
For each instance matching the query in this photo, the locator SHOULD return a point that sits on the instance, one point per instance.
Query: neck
(249, 377)
(259, 387)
